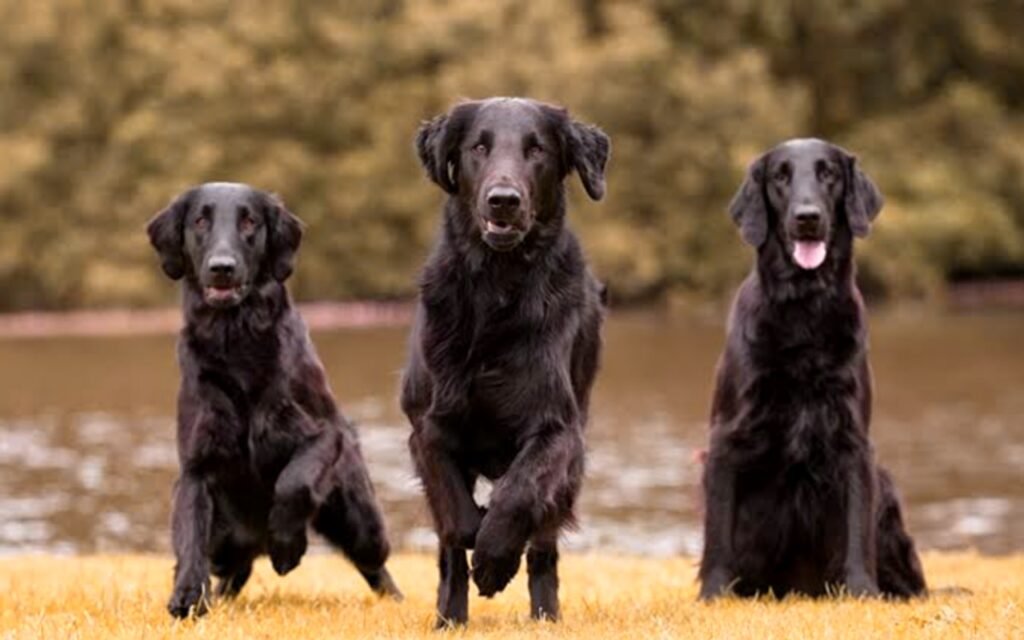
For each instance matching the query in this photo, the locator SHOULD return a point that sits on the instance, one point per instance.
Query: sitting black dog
(505, 345)
(263, 449)
(794, 500)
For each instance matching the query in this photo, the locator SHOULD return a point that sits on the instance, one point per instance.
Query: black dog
(505, 344)
(263, 449)
(794, 499)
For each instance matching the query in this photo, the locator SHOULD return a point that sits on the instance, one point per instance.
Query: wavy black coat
(794, 499)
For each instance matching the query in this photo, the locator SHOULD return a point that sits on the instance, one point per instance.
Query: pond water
(87, 454)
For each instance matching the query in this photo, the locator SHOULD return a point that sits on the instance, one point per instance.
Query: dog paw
(383, 584)
(717, 584)
(286, 550)
(546, 614)
(187, 601)
(441, 623)
(492, 572)
(862, 586)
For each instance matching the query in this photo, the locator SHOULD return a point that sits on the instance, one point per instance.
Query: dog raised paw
(286, 551)
(493, 572)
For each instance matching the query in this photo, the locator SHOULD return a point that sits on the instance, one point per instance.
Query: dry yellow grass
(603, 597)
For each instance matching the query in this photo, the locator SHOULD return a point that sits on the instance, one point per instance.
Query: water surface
(87, 453)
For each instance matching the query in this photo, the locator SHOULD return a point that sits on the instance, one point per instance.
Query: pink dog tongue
(809, 255)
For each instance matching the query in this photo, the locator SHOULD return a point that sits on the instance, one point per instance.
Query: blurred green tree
(111, 108)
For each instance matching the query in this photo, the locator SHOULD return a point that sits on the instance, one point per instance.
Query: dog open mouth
(222, 295)
(809, 253)
(495, 226)
(500, 235)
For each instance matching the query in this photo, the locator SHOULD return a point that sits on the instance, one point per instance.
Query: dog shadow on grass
(262, 601)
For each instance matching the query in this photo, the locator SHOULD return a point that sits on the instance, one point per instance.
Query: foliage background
(108, 109)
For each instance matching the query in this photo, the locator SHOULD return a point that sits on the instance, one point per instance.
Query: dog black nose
(503, 198)
(807, 215)
(223, 266)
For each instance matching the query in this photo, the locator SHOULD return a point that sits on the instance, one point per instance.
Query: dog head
(224, 239)
(804, 191)
(506, 158)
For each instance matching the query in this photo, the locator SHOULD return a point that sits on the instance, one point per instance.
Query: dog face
(505, 158)
(508, 160)
(804, 190)
(224, 239)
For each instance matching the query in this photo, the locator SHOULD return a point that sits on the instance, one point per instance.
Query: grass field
(602, 597)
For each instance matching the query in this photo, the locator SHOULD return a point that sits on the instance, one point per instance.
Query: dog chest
(782, 429)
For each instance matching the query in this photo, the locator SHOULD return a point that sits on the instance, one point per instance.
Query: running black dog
(505, 344)
(794, 500)
(262, 446)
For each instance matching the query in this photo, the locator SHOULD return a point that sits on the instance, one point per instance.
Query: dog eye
(480, 150)
(534, 151)
(202, 221)
(826, 172)
(247, 224)
(781, 177)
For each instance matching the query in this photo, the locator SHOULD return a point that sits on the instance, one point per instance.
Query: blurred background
(108, 109)
(111, 108)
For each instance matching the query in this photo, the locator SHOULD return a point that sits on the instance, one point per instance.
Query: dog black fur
(506, 344)
(794, 500)
(263, 449)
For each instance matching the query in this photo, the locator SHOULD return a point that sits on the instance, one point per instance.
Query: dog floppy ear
(589, 148)
(284, 234)
(748, 208)
(437, 144)
(428, 148)
(166, 234)
(862, 200)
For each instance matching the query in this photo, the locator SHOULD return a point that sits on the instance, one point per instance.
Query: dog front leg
(296, 497)
(523, 501)
(716, 573)
(542, 568)
(448, 489)
(453, 589)
(190, 536)
(859, 574)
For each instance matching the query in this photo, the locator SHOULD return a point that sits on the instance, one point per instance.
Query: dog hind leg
(899, 567)
(351, 521)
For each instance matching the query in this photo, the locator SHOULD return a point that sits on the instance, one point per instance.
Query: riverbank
(982, 296)
(602, 596)
(320, 316)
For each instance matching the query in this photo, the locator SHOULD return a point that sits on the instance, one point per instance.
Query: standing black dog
(505, 345)
(794, 498)
(262, 446)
